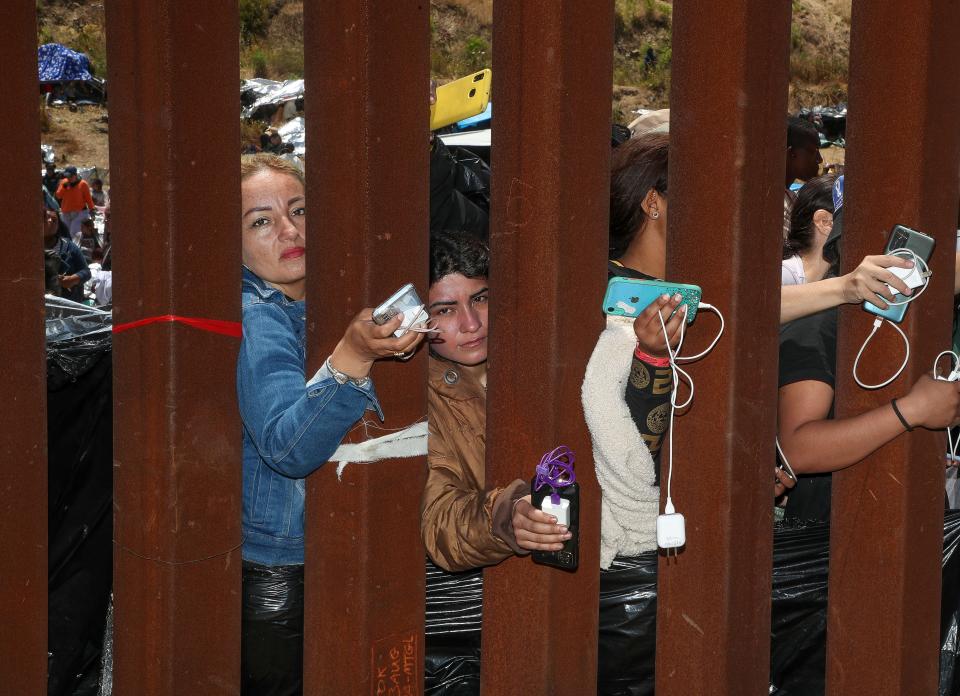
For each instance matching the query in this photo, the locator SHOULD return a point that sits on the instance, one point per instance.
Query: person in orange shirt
(76, 203)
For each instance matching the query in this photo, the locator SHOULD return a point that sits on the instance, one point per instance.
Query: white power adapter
(561, 511)
(912, 277)
(671, 528)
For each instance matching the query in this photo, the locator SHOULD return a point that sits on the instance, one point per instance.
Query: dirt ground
(78, 137)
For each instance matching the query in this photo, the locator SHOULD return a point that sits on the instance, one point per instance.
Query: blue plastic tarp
(58, 63)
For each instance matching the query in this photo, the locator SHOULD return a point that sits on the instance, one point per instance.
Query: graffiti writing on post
(395, 665)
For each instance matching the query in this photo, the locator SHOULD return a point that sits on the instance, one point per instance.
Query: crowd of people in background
(77, 264)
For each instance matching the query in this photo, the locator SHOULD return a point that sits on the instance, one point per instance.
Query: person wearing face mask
(292, 422)
(466, 523)
(811, 221)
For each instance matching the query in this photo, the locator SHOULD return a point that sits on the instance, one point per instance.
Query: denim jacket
(290, 426)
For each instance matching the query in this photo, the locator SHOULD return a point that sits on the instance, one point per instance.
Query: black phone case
(569, 556)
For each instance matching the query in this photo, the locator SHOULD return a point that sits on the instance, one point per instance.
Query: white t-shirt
(791, 271)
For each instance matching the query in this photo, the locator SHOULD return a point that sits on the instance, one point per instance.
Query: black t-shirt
(614, 269)
(648, 389)
(808, 351)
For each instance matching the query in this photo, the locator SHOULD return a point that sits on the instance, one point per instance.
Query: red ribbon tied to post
(233, 329)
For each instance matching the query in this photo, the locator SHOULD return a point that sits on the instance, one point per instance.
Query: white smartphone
(404, 301)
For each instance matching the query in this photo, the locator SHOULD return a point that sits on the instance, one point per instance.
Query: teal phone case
(628, 297)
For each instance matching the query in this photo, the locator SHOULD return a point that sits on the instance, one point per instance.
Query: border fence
(174, 139)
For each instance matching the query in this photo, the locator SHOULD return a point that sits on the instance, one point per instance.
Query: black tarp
(628, 611)
(80, 513)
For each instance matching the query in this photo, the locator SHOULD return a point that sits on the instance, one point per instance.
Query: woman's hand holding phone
(649, 331)
(364, 342)
(868, 281)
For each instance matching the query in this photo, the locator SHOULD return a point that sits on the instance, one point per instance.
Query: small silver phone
(400, 302)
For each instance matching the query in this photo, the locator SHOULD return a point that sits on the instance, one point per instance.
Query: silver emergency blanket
(268, 93)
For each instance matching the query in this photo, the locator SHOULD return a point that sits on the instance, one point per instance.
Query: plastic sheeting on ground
(628, 612)
(80, 489)
(259, 93)
(68, 320)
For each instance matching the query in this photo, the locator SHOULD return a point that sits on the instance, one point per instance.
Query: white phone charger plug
(671, 529)
(912, 277)
(561, 511)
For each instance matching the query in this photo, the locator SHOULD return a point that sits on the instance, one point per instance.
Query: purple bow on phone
(555, 470)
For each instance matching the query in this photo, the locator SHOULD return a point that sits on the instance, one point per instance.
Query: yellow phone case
(461, 99)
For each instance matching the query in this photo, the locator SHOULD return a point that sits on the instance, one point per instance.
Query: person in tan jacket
(464, 523)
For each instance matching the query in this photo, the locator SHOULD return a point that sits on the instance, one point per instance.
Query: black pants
(272, 636)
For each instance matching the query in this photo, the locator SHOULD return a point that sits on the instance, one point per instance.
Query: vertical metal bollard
(23, 438)
(727, 145)
(174, 135)
(902, 164)
(551, 154)
(367, 71)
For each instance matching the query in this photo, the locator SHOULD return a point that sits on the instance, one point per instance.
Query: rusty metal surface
(175, 219)
(23, 438)
(902, 164)
(367, 67)
(551, 151)
(728, 138)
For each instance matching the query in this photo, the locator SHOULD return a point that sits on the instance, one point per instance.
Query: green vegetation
(819, 69)
(639, 26)
(459, 42)
(254, 19)
(271, 43)
(271, 39)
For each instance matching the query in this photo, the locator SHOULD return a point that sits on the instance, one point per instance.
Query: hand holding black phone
(555, 491)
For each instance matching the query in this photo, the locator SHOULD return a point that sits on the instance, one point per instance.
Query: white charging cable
(786, 462)
(953, 376)
(925, 274)
(672, 536)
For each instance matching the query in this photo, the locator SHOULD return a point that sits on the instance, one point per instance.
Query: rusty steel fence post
(174, 141)
(902, 167)
(367, 113)
(552, 64)
(23, 439)
(728, 106)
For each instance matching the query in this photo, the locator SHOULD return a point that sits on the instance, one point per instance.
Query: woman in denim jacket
(291, 424)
